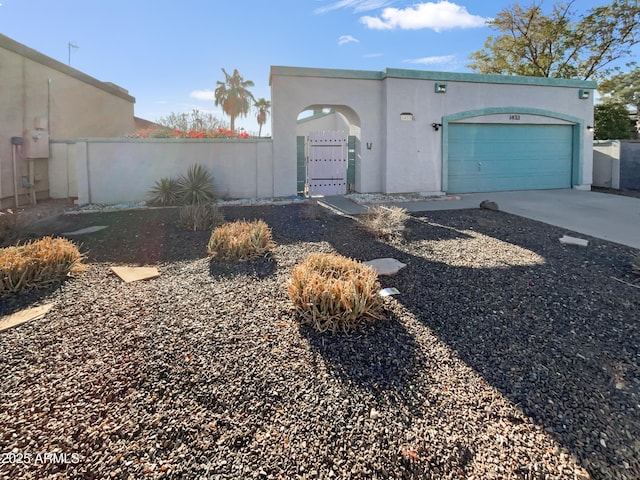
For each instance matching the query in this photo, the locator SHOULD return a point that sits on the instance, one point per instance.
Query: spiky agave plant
(165, 192)
(196, 186)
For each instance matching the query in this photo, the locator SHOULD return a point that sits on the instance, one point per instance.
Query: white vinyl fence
(122, 170)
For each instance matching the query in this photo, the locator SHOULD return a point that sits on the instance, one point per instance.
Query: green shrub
(202, 216)
(166, 192)
(334, 293)
(385, 222)
(240, 241)
(196, 186)
(37, 264)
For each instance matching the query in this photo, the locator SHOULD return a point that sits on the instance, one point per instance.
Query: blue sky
(169, 54)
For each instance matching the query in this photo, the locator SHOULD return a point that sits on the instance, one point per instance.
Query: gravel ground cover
(506, 355)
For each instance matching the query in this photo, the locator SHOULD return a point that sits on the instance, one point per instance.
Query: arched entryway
(328, 141)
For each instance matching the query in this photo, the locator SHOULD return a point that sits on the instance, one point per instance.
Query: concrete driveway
(609, 217)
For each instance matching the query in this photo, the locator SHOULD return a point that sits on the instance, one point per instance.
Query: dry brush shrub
(240, 241)
(9, 224)
(37, 264)
(385, 222)
(334, 293)
(204, 216)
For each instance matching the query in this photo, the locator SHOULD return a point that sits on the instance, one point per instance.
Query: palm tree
(263, 107)
(234, 97)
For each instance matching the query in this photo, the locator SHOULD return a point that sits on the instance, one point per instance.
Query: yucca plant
(37, 264)
(240, 241)
(165, 192)
(202, 216)
(334, 293)
(196, 186)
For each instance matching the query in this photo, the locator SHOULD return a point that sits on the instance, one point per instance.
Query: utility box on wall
(37, 139)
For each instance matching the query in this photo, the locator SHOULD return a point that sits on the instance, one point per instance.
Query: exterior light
(441, 87)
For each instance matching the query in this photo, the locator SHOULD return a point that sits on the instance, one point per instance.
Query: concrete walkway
(610, 217)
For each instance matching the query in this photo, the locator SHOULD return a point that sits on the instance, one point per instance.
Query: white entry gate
(327, 163)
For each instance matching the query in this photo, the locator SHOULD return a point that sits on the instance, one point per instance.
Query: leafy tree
(234, 96)
(559, 44)
(623, 88)
(195, 120)
(263, 107)
(611, 122)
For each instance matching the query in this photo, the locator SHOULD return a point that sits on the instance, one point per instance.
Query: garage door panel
(493, 157)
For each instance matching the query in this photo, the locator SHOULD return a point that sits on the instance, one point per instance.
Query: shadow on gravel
(378, 357)
(10, 304)
(560, 339)
(261, 268)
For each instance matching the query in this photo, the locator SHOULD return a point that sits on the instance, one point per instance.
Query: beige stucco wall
(123, 170)
(39, 92)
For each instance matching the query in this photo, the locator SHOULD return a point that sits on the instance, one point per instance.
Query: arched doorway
(328, 140)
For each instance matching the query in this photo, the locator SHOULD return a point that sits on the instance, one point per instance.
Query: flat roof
(428, 75)
(15, 47)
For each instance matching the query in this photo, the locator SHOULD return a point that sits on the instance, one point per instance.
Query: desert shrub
(9, 224)
(196, 186)
(165, 192)
(385, 222)
(240, 240)
(202, 216)
(37, 264)
(334, 293)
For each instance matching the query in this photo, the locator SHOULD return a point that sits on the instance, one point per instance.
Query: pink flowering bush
(169, 133)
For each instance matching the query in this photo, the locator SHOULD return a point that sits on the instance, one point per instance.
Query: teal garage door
(497, 157)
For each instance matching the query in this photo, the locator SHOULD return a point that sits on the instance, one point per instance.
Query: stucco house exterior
(430, 132)
(42, 99)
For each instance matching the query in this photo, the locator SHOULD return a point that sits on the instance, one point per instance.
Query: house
(42, 99)
(429, 132)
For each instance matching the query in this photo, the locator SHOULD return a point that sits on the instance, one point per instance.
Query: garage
(485, 157)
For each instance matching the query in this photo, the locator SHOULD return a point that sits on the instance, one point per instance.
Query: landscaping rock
(134, 274)
(86, 230)
(385, 266)
(489, 205)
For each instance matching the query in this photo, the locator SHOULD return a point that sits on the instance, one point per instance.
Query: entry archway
(328, 146)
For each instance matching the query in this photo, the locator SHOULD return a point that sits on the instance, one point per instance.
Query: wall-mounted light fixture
(441, 87)
(583, 94)
(436, 126)
(590, 128)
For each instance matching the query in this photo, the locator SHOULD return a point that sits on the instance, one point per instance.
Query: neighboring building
(43, 99)
(429, 132)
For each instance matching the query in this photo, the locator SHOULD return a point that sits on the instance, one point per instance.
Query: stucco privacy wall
(410, 156)
(65, 102)
(124, 169)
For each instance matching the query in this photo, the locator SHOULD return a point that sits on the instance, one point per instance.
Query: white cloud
(357, 5)
(443, 15)
(347, 39)
(372, 55)
(203, 94)
(432, 60)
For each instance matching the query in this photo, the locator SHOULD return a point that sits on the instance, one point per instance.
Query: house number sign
(514, 117)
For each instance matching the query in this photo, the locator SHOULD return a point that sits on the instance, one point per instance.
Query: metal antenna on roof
(71, 45)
